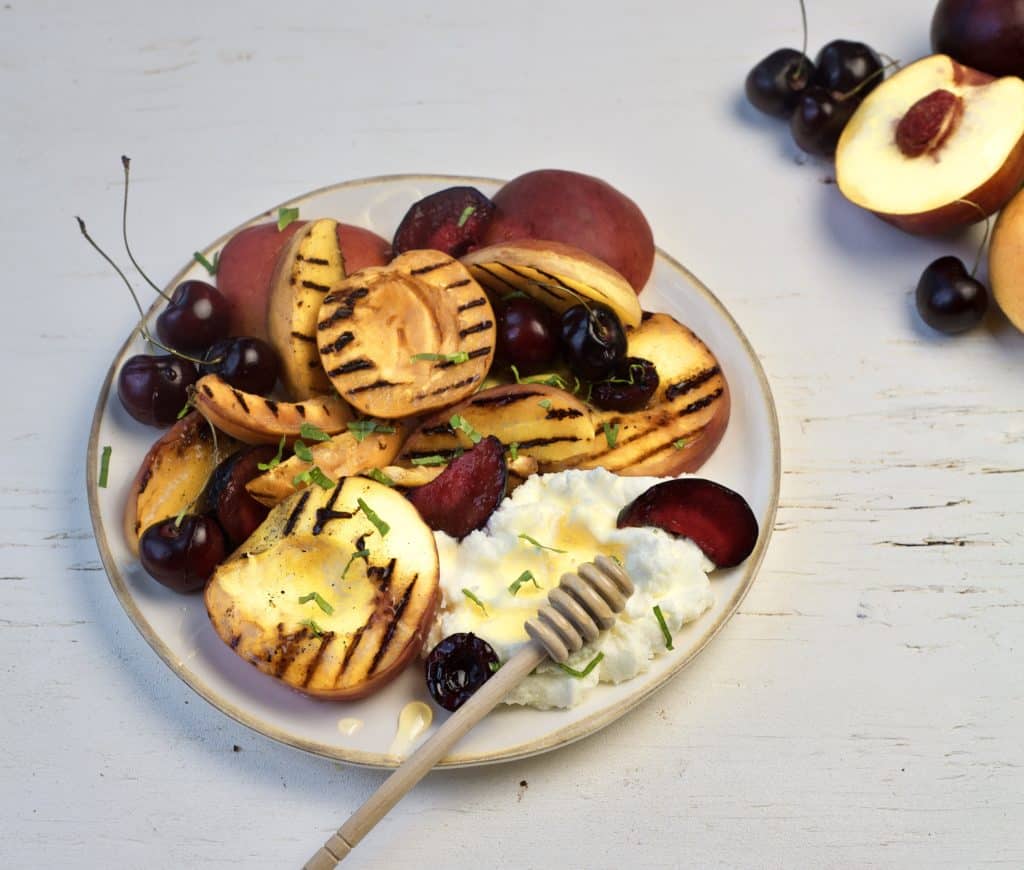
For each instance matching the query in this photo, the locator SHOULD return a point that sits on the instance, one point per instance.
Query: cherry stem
(988, 223)
(143, 329)
(125, 162)
(890, 62)
(803, 21)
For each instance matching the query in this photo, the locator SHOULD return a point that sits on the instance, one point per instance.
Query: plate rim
(561, 737)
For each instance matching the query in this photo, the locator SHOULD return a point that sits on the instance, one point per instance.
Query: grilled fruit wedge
(545, 423)
(345, 455)
(407, 338)
(256, 420)
(306, 270)
(320, 599)
(173, 475)
(685, 418)
(555, 274)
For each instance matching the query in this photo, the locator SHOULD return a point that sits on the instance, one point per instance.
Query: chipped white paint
(865, 706)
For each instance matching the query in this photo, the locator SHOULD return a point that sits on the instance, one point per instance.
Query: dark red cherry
(819, 119)
(844, 66)
(774, 85)
(195, 318)
(527, 334)
(226, 496)
(182, 555)
(629, 388)
(453, 220)
(715, 518)
(948, 298)
(458, 666)
(154, 389)
(248, 364)
(593, 340)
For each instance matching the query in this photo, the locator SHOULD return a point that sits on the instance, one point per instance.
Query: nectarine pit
(928, 123)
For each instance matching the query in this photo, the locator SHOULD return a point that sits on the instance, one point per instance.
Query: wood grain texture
(863, 708)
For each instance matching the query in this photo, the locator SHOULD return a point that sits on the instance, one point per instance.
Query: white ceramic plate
(177, 627)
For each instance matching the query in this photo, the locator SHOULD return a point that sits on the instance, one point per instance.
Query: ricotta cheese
(498, 577)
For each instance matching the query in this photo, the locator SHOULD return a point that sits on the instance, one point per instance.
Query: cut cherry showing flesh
(453, 220)
(775, 84)
(248, 364)
(463, 496)
(714, 517)
(196, 317)
(948, 298)
(458, 666)
(154, 389)
(182, 553)
(632, 384)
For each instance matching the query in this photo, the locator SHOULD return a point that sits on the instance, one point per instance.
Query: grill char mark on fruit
(554, 294)
(544, 442)
(346, 306)
(207, 390)
(473, 354)
(563, 414)
(505, 399)
(293, 518)
(345, 338)
(289, 646)
(440, 429)
(301, 336)
(328, 513)
(395, 620)
(312, 285)
(301, 411)
(693, 407)
(430, 267)
(381, 575)
(271, 406)
(494, 276)
(453, 386)
(316, 261)
(365, 388)
(482, 326)
(356, 365)
(691, 383)
(463, 283)
(351, 648)
(325, 639)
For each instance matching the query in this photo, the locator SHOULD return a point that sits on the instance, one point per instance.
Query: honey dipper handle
(416, 766)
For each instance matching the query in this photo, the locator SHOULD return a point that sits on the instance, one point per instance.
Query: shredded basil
(579, 675)
(461, 356)
(664, 626)
(356, 554)
(467, 213)
(321, 602)
(381, 526)
(525, 577)
(539, 545)
(436, 459)
(380, 477)
(303, 452)
(313, 627)
(211, 268)
(285, 216)
(611, 433)
(457, 422)
(105, 466)
(362, 428)
(276, 461)
(475, 600)
(313, 433)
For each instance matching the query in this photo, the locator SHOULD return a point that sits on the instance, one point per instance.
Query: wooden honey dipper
(582, 606)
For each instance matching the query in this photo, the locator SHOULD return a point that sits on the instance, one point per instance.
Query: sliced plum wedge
(452, 220)
(715, 518)
(463, 496)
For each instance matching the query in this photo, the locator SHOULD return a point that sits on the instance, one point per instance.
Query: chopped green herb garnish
(457, 422)
(184, 410)
(285, 216)
(313, 475)
(618, 561)
(494, 667)
(303, 452)
(467, 213)
(380, 477)
(180, 517)
(664, 626)
(515, 294)
(475, 600)
(551, 379)
(611, 433)
(211, 268)
(539, 545)
(579, 675)
(525, 577)
(276, 461)
(362, 428)
(105, 466)
(313, 627)
(545, 404)
(313, 433)
(382, 526)
(458, 357)
(513, 451)
(322, 603)
(357, 554)
(680, 443)
(436, 459)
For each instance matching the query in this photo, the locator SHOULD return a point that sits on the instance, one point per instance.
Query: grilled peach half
(333, 593)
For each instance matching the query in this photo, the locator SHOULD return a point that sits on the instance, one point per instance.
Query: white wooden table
(864, 708)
